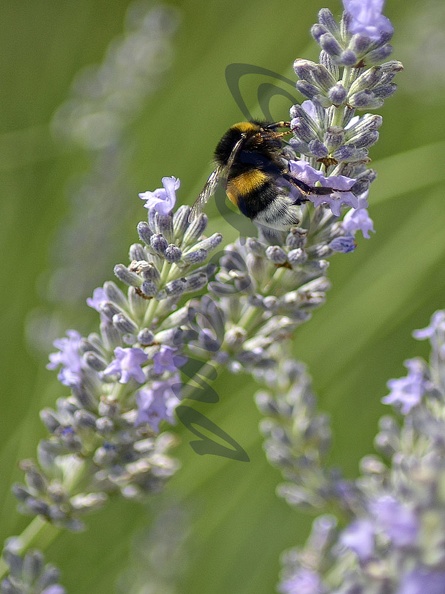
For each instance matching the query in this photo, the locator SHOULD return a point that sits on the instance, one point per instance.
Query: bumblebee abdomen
(251, 192)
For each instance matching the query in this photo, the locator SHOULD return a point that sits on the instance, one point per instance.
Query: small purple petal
(163, 199)
(359, 219)
(406, 392)
(99, 296)
(127, 365)
(310, 176)
(166, 360)
(359, 537)
(306, 173)
(367, 18)
(396, 520)
(157, 403)
(437, 324)
(422, 581)
(69, 358)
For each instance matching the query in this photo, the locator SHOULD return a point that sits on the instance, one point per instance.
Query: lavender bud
(110, 336)
(296, 238)
(255, 246)
(158, 243)
(38, 507)
(330, 45)
(137, 303)
(176, 287)
(297, 256)
(318, 149)
(144, 232)
(301, 129)
(378, 55)
(326, 18)
(195, 282)
(88, 501)
(164, 225)
(149, 272)
(171, 337)
(334, 137)
(34, 478)
(114, 294)
(126, 276)
(124, 324)
(149, 288)
(181, 220)
(49, 419)
(109, 310)
(348, 58)
(196, 229)
(137, 252)
(173, 254)
(85, 420)
(94, 361)
(20, 492)
(360, 44)
(365, 100)
(304, 69)
(104, 425)
(317, 31)
(196, 256)
(145, 337)
(337, 94)
(307, 89)
(349, 153)
(385, 91)
(209, 244)
(276, 254)
(329, 64)
(323, 77)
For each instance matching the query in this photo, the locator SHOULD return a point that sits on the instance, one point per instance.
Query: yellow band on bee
(245, 183)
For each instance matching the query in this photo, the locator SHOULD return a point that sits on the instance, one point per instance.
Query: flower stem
(38, 534)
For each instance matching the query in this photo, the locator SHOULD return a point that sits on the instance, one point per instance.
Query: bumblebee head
(250, 137)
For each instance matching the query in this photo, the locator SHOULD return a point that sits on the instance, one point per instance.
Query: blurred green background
(97, 104)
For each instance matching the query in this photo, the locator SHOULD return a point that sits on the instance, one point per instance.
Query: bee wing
(207, 192)
(218, 175)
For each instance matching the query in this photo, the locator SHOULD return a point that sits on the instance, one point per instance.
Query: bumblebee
(251, 162)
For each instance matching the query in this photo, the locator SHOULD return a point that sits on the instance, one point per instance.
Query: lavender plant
(236, 312)
(392, 539)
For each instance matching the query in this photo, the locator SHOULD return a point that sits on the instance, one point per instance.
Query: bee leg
(305, 189)
(281, 124)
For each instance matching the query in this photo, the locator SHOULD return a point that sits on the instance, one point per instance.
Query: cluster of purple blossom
(393, 542)
(125, 380)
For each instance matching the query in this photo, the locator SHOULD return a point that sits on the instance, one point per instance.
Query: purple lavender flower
(127, 364)
(99, 296)
(166, 360)
(396, 520)
(69, 358)
(437, 323)
(359, 220)
(310, 176)
(406, 392)
(359, 537)
(157, 403)
(422, 581)
(163, 199)
(367, 19)
(304, 581)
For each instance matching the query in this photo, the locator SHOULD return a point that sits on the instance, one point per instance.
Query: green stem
(39, 534)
